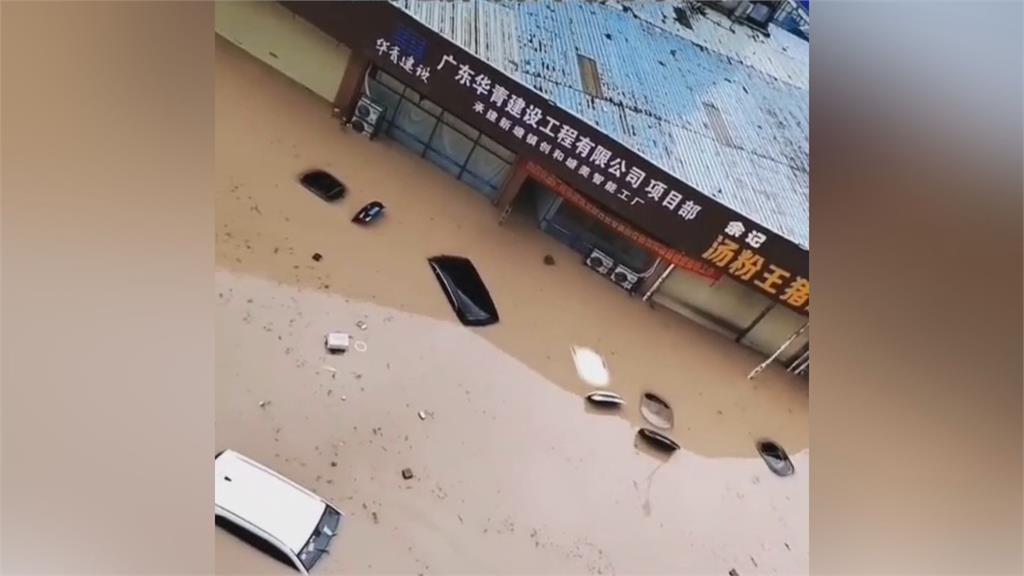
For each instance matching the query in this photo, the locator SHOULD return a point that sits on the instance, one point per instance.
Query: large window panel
(451, 143)
(774, 329)
(480, 184)
(386, 97)
(414, 121)
(488, 167)
(443, 162)
(467, 130)
(498, 150)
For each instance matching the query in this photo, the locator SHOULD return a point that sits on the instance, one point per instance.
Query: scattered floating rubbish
(733, 572)
(360, 346)
(422, 415)
(317, 256)
(590, 366)
(656, 411)
(361, 325)
(264, 403)
(549, 260)
(775, 457)
(334, 464)
(368, 213)
(658, 440)
(605, 399)
(407, 473)
(344, 398)
(330, 369)
(376, 520)
(337, 342)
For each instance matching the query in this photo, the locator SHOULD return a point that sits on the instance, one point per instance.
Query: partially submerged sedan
(323, 184)
(275, 513)
(466, 292)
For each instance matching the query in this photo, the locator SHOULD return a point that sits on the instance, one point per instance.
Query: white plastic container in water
(337, 342)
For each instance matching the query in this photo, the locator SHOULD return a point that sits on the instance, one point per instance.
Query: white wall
(286, 42)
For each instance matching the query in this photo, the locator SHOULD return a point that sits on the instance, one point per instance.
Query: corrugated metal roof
(658, 78)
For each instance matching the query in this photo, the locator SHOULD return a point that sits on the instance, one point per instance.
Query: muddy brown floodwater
(513, 472)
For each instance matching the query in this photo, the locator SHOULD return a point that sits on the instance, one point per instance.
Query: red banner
(664, 252)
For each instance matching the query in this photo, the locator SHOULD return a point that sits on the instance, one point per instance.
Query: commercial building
(666, 143)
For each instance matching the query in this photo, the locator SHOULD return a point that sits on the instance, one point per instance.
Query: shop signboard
(657, 248)
(604, 171)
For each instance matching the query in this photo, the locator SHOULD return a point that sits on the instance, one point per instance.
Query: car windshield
(317, 544)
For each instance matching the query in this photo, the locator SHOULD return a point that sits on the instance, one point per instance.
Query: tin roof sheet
(661, 82)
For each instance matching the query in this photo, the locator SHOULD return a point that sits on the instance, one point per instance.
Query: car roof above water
(266, 499)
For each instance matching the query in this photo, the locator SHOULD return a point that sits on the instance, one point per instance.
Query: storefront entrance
(574, 227)
(435, 134)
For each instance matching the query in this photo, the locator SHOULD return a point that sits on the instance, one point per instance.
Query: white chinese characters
(406, 62)
(565, 144)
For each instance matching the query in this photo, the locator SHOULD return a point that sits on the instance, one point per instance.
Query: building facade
(666, 143)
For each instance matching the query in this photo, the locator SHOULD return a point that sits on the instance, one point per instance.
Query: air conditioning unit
(367, 118)
(625, 277)
(600, 262)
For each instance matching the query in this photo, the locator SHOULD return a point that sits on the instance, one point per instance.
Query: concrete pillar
(350, 87)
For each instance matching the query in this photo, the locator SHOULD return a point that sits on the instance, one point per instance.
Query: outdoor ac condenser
(367, 118)
(600, 262)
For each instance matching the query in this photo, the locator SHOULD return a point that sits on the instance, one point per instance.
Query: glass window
(498, 150)
(411, 94)
(444, 162)
(451, 143)
(461, 126)
(488, 167)
(774, 329)
(385, 96)
(407, 140)
(414, 121)
(390, 81)
(480, 184)
(431, 107)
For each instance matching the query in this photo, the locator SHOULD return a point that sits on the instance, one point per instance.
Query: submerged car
(465, 290)
(323, 185)
(272, 512)
(368, 213)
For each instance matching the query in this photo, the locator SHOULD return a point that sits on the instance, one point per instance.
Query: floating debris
(422, 415)
(264, 403)
(330, 369)
(590, 366)
(317, 256)
(549, 260)
(407, 473)
(334, 464)
(360, 346)
(337, 342)
(361, 325)
(376, 520)
(775, 457)
(658, 440)
(656, 411)
(605, 399)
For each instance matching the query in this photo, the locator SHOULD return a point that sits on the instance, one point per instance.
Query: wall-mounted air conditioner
(368, 117)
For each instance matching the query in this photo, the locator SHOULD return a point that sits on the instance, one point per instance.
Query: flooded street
(513, 473)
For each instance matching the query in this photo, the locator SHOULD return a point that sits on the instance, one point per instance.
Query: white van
(293, 521)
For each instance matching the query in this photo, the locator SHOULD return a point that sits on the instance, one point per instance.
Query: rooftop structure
(721, 105)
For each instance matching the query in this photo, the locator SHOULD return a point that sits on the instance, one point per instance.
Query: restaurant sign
(607, 173)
